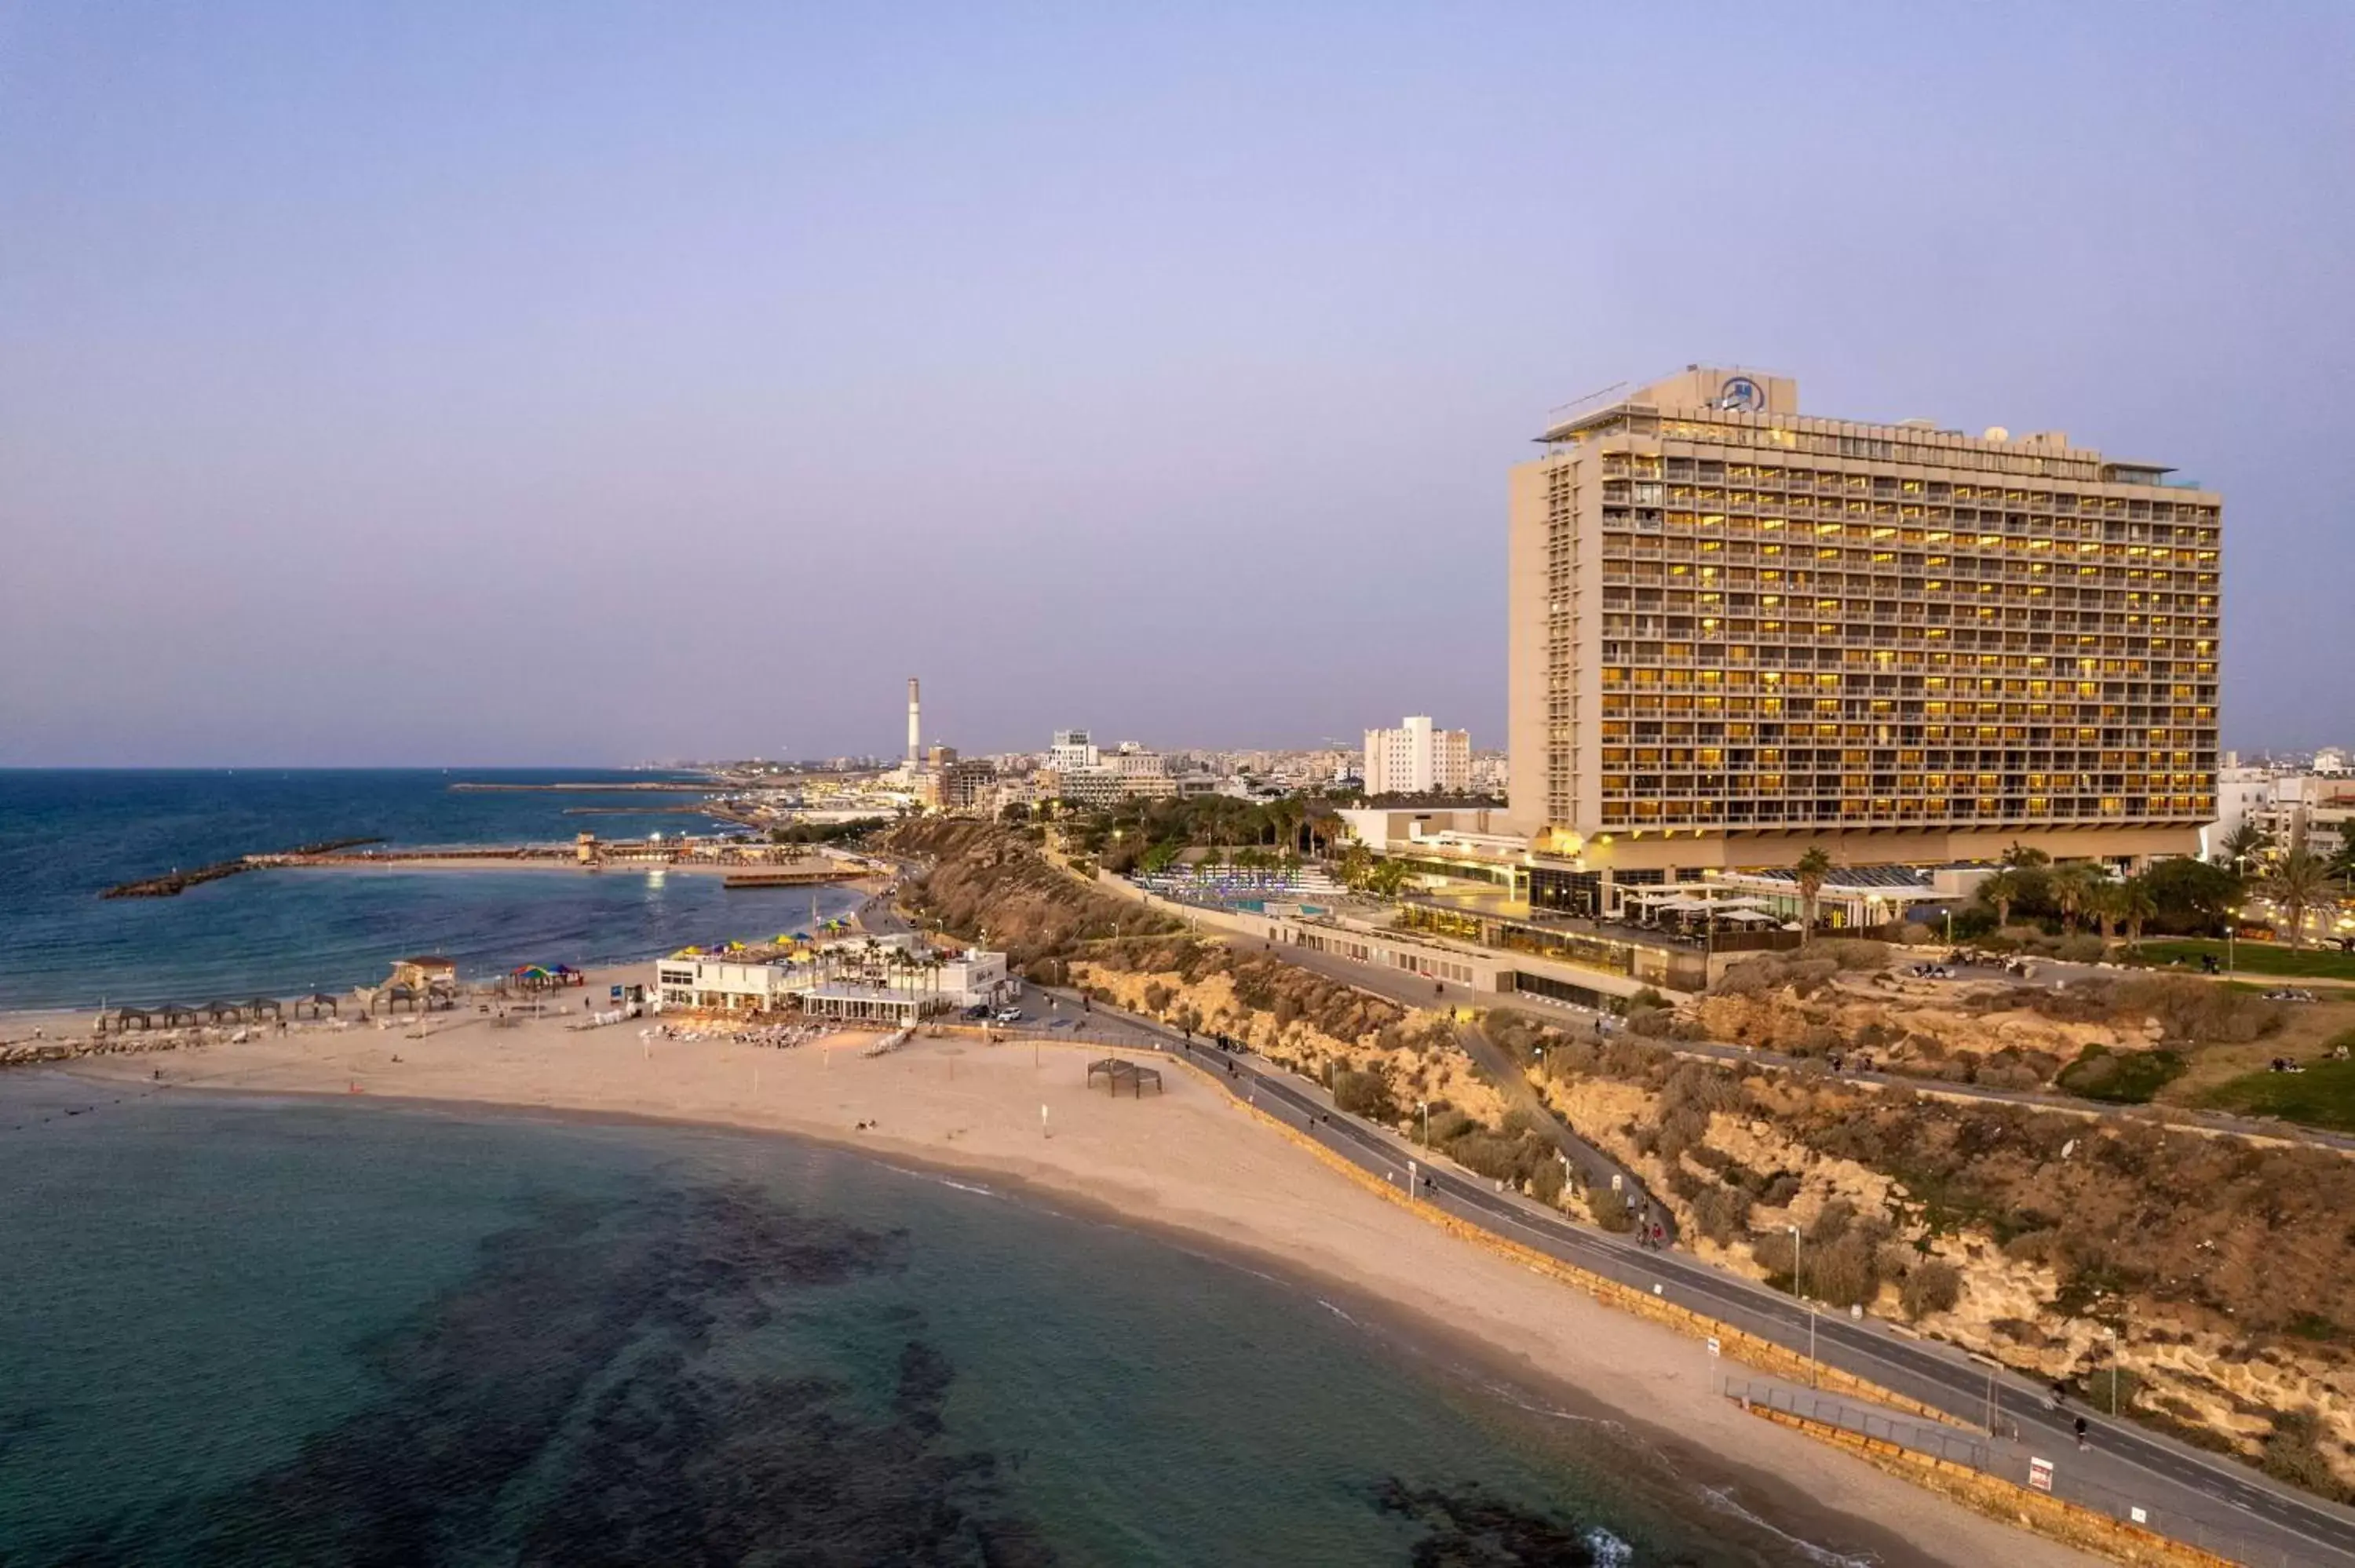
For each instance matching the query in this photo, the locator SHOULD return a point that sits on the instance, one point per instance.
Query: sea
(66, 837)
(282, 1330)
(258, 1332)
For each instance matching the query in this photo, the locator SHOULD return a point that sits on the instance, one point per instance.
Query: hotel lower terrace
(890, 980)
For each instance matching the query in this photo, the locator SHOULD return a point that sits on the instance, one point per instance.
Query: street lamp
(1812, 1373)
(1424, 1106)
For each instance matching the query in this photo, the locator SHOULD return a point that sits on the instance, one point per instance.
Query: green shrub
(1364, 1094)
(2121, 1078)
(1720, 1212)
(2292, 1452)
(1932, 1285)
(2199, 1012)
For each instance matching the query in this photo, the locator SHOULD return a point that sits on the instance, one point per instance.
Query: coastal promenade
(2190, 1496)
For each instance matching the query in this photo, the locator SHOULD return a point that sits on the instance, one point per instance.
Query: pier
(173, 882)
(796, 876)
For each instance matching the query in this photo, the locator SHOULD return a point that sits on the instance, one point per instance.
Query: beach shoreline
(1192, 1167)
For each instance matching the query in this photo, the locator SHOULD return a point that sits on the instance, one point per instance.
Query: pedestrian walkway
(2085, 1476)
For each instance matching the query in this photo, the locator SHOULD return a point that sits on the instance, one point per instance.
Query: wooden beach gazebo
(217, 1010)
(259, 1005)
(394, 998)
(122, 1017)
(1119, 1073)
(174, 1013)
(319, 1002)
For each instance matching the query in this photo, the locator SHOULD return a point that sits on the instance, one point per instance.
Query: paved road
(2188, 1492)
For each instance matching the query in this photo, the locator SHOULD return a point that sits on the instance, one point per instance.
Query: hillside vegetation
(2027, 1235)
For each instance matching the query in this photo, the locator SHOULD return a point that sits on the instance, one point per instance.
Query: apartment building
(1416, 758)
(1073, 750)
(2312, 811)
(1737, 631)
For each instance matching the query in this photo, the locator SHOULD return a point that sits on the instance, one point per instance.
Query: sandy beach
(1189, 1160)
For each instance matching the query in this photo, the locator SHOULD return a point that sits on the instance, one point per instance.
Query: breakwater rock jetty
(593, 787)
(175, 882)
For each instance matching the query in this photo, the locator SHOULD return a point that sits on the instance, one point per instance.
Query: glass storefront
(1562, 891)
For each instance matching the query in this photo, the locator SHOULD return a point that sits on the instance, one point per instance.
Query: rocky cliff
(2220, 1266)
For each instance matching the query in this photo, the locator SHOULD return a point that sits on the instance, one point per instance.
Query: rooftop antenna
(1591, 397)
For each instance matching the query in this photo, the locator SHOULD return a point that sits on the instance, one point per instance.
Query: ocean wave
(937, 1180)
(1721, 1499)
(1609, 1551)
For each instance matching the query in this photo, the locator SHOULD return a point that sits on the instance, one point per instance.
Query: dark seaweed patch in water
(1472, 1530)
(565, 1405)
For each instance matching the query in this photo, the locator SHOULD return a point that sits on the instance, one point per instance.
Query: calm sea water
(299, 1332)
(66, 836)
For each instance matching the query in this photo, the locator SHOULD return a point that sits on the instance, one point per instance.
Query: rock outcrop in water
(584, 1399)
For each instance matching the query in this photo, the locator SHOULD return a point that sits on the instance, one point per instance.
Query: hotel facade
(1417, 758)
(1737, 631)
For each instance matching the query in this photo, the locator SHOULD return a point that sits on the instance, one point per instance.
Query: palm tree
(2074, 888)
(1387, 877)
(2105, 904)
(1356, 862)
(2298, 882)
(1331, 829)
(2024, 857)
(2245, 843)
(1289, 814)
(1811, 870)
(2135, 905)
(2343, 860)
(2002, 890)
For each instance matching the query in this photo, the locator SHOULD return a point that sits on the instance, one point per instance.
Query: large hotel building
(1737, 631)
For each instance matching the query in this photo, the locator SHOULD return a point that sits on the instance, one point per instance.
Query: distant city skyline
(469, 388)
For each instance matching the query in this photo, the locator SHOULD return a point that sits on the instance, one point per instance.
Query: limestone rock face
(1417, 1068)
(2186, 1362)
(1907, 1024)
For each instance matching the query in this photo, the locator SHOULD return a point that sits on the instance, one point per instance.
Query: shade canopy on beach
(1119, 1073)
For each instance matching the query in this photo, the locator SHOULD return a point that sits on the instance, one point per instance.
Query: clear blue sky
(464, 383)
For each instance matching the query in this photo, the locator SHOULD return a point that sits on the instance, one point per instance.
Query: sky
(490, 383)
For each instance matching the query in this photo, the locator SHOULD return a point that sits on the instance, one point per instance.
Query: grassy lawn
(2255, 958)
(2322, 1096)
(2122, 1077)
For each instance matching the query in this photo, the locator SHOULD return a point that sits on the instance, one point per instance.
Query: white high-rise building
(1073, 751)
(1417, 759)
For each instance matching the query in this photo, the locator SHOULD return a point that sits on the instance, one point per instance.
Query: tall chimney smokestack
(913, 737)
